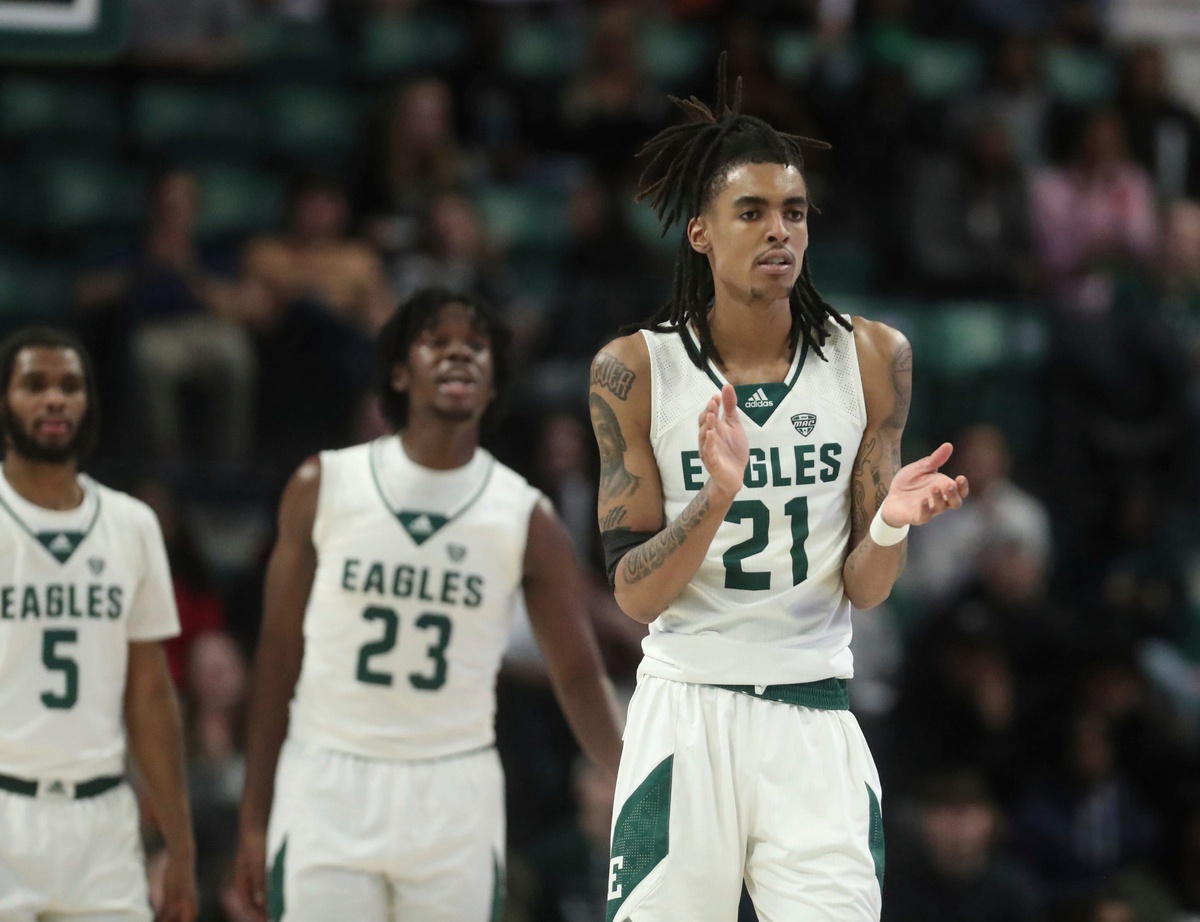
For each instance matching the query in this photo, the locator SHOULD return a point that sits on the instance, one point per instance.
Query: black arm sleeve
(618, 542)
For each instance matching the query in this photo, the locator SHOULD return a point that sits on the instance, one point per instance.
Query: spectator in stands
(319, 298)
(184, 307)
(421, 158)
(1164, 136)
(969, 220)
(1013, 93)
(1083, 824)
(193, 34)
(1094, 214)
(610, 106)
(944, 558)
(959, 877)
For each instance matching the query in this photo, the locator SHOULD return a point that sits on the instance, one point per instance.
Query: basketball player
(388, 601)
(85, 601)
(744, 540)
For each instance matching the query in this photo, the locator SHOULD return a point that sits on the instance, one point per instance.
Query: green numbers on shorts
(756, 512)
(432, 680)
(55, 661)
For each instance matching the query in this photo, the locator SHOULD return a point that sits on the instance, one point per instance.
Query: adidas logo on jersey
(421, 525)
(759, 399)
(60, 544)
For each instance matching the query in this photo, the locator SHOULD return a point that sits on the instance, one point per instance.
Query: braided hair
(685, 166)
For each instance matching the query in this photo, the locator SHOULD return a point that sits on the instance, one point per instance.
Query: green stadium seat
(286, 47)
(238, 201)
(646, 227)
(194, 123)
(312, 124)
(842, 266)
(393, 46)
(524, 218)
(70, 194)
(32, 291)
(792, 54)
(32, 108)
(541, 51)
(965, 338)
(941, 70)
(673, 55)
(1078, 76)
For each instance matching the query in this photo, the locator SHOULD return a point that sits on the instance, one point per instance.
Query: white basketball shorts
(72, 859)
(374, 840)
(718, 786)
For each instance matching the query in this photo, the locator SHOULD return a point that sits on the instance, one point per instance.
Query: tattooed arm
(909, 495)
(649, 577)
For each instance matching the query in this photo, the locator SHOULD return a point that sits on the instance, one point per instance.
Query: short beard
(452, 416)
(27, 447)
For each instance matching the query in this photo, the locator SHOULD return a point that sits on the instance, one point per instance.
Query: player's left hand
(179, 900)
(920, 491)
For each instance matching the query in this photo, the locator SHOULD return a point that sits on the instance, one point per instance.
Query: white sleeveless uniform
(76, 587)
(716, 784)
(389, 790)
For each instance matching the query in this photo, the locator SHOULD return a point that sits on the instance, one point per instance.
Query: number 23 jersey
(767, 605)
(411, 603)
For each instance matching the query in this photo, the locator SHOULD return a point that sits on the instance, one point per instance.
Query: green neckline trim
(400, 514)
(38, 538)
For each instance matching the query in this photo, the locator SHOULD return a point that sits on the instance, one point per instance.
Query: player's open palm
(723, 445)
(920, 490)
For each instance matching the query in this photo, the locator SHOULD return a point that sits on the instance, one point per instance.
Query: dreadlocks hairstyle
(417, 314)
(53, 338)
(685, 165)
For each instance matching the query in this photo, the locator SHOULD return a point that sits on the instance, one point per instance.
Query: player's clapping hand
(920, 491)
(250, 875)
(179, 902)
(723, 445)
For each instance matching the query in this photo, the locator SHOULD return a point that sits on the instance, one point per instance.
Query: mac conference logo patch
(804, 423)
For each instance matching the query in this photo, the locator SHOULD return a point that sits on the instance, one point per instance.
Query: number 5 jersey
(767, 606)
(76, 587)
(411, 604)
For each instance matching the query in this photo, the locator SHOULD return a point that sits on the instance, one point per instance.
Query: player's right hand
(724, 448)
(250, 873)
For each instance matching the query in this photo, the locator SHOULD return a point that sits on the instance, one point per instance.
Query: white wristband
(886, 535)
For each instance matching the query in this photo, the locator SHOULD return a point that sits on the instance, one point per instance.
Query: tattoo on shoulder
(610, 373)
(646, 558)
(901, 374)
(615, 478)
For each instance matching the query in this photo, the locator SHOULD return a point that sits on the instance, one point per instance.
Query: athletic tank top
(411, 604)
(767, 605)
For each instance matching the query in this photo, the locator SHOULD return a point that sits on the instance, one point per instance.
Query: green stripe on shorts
(497, 888)
(275, 885)
(875, 835)
(641, 835)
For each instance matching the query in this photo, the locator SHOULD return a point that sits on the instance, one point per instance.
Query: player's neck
(45, 484)
(749, 334)
(440, 445)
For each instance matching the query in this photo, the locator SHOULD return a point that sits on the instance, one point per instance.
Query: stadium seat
(646, 227)
(70, 194)
(33, 109)
(32, 291)
(673, 55)
(966, 338)
(541, 51)
(190, 123)
(842, 266)
(238, 201)
(281, 46)
(312, 124)
(393, 46)
(524, 218)
(1078, 76)
(792, 55)
(941, 70)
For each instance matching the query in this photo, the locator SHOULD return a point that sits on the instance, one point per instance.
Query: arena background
(1014, 184)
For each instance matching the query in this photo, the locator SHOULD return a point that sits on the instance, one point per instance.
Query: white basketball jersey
(76, 587)
(767, 605)
(412, 602)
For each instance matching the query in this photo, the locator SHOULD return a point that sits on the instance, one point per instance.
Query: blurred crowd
(1011, 184)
